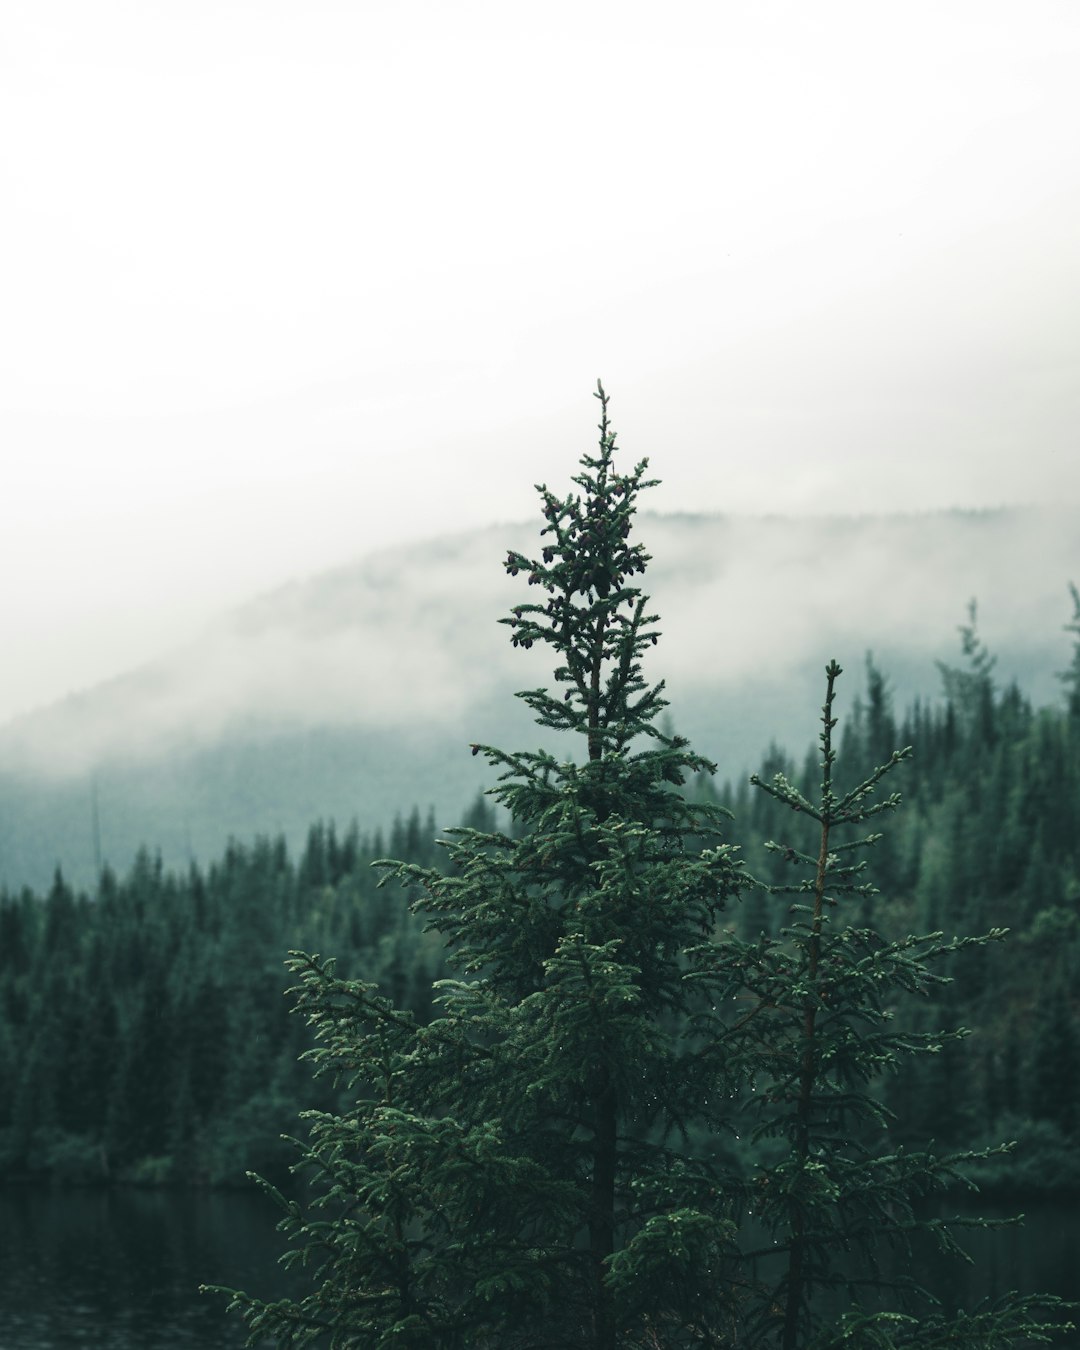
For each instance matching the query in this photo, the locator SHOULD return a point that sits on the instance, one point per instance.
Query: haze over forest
(352, 303)
(355, 694)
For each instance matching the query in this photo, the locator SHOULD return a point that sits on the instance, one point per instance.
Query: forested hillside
(144, 1035)
(987, 837)
(353, 692)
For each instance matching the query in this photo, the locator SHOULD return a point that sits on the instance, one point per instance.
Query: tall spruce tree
(508, 1176)
(550, 1162)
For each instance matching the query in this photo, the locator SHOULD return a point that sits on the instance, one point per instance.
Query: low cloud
(751, 609)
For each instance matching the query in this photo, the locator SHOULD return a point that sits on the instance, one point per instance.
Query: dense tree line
(144, 1034)
(988, 837)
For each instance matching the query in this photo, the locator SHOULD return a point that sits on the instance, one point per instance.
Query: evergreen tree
(1054, 1074)
(817, 1034)
(508, 1174)
(553, 1160)
(970, 689)
(1071, 677)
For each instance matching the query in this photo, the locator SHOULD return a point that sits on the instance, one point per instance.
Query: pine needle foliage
(841, 1209)
(552, 1162)
(518, 1173)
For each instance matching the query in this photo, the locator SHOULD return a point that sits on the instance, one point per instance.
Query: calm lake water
(119, 1270)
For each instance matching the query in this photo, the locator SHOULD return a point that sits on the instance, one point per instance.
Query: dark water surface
(120, 1270)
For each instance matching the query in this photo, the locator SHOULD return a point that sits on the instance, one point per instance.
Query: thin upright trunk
(605, 1146)
(602, 1227)
(796, 1279)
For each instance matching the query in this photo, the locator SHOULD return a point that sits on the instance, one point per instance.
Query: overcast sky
(283, 283)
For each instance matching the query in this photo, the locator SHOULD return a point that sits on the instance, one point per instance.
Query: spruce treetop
(587, 569)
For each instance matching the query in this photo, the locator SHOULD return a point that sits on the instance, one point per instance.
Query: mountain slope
(355, 693)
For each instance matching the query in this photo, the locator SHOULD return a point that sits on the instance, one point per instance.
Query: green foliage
(496, 1162)
(817, 1033)
(970, 689)
(143, 1033)
(632, 1075)
(987, 839)
(1071, 676)
(556, 1159)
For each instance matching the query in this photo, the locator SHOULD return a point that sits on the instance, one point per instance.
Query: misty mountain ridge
(355, 693)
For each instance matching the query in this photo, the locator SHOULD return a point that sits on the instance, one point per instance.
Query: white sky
(282, 283)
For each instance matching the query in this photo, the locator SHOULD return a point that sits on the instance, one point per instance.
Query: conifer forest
(636, 1055)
